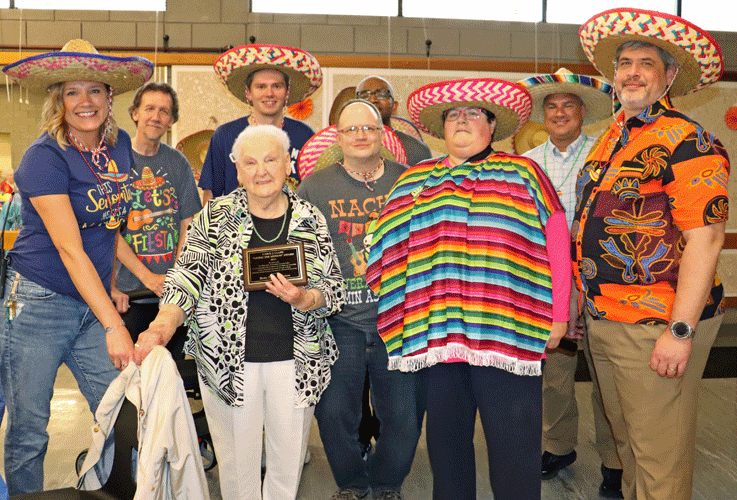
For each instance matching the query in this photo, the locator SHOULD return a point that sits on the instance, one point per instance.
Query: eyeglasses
(368, 129)
(385, 94)
(451, 115)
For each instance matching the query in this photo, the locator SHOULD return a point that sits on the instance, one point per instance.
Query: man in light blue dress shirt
(564, 102)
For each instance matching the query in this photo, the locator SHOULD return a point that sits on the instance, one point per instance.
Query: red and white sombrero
(78, 60)
(510, 102)
(699, 56)
(322, 150)
(234, 66)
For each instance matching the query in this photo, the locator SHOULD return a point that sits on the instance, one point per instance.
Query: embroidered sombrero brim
(79, 61)
(699, 56)
(322, 150)
(510, 103)
(234, 66)
(530, 136)
(194, 148)
(595, 93)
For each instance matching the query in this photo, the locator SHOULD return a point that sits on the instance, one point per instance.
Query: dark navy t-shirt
(218, 172)
(46, 169)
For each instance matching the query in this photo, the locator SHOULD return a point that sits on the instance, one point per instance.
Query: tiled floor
(716, 459)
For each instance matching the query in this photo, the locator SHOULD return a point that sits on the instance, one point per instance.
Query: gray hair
(388, 85)
(256, 132)
(665, 56)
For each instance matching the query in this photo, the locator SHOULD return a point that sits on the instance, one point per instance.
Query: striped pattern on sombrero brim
(595, 93)
(234, 66)
(322, 150)
(697, 53)
(510, 102)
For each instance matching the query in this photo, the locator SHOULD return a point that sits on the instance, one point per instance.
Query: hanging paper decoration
(731, 118)
(301, 110)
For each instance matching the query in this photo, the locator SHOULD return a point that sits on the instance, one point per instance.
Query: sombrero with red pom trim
(699, 56)
(510, 102)
(234, 66)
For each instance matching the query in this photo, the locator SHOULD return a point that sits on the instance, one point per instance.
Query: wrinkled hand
(120, 299)
(670, 355)
(153, 336)
(119, 347)
(295, 296)
(155, 283)
(557, 332)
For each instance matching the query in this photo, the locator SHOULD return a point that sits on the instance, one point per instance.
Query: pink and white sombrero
(234, 66)
(699, 56)
(322, 150)
(510, 102)
(78, 60)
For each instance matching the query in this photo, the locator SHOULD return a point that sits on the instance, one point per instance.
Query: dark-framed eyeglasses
(384, 94)
(368, 129)
(451, 115)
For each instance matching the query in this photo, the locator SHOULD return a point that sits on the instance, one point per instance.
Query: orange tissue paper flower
(301, 110)
(731, 118)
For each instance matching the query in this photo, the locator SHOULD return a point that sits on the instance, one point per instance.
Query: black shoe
(551, 464)
(611, 486)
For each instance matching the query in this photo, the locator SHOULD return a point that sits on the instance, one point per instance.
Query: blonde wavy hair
(52, 118)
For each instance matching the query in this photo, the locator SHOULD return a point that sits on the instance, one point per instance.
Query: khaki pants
(560, 411)
(653, 418)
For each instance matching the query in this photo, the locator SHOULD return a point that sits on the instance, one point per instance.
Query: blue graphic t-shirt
(46, 169)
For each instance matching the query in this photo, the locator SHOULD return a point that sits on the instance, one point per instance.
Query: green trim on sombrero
(698, 54)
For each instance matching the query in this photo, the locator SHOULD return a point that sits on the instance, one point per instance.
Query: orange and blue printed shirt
(643, 183)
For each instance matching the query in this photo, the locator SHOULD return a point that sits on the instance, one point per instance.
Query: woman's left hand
(119, 347)
(296, 296)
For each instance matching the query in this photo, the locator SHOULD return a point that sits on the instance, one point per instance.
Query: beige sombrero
(322, 150)
(595, 93)
(343, 97)
(529, 136)
(699, 56)
(78, 60)
(510, 102)
(194, 148)
(234, 66)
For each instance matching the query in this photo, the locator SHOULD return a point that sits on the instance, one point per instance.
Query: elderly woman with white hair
(263, 356)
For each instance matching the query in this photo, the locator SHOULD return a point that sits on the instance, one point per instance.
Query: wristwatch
(681, 330)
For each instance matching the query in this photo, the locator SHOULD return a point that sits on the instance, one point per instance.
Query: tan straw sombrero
(234, 66)
(530, 136)
(322, 150)
(343, 97)
(699, 56)
(595, 93)
(510, 102)
(194, 148)
(78, 60)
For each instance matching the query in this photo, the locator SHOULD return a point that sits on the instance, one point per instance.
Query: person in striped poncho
(470, 259)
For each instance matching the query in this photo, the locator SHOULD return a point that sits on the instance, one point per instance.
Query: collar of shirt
(647, 115)
(571, 149)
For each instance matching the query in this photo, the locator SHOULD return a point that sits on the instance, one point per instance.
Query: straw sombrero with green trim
(510, 102)
(595, 93)
(78, 60)
(234, 66)
(699, 56)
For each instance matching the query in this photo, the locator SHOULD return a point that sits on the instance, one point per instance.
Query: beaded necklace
(114, 222)
(252, 121)
(367, 176)
(283, 223)
(545, 163)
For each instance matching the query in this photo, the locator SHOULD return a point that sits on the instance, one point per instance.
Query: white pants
(237, 434)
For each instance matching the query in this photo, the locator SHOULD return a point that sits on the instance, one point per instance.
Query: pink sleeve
(558, 243)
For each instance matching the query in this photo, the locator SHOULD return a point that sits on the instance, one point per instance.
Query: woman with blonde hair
(73, 182)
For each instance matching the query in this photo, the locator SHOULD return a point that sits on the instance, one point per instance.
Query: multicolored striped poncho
(459, 262)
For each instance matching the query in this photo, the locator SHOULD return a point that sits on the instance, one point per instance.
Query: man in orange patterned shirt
(649, 227)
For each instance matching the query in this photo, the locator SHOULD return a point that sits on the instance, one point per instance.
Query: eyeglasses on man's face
(379, 93)
(351, 131)
(451, 115)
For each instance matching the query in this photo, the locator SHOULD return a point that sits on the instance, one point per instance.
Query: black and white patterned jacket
(207, 283)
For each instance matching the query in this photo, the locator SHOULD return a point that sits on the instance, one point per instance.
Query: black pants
(139, 316)
(510, 407)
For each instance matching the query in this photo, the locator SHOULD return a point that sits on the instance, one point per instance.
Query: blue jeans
(339, 414)
(48, 329)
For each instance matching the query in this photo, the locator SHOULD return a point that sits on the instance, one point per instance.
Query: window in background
(580, 11)
(139, 5)
(710, 15)
(331, 7)
(510, 10)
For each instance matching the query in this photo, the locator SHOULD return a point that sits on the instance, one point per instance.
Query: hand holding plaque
(259, 263)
